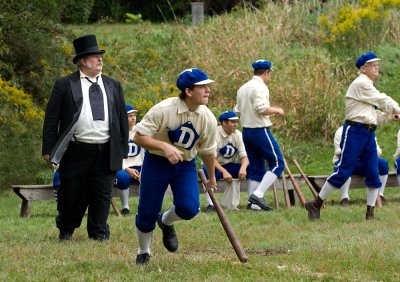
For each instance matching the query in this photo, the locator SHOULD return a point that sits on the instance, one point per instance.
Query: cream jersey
(397, 153)
(230, 148)
(362, 98)
(135, 153)
(336, 143)
(251, 100)
(172, 122)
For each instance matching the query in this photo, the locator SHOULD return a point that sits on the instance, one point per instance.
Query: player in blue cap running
(173, 132)
(358, 137)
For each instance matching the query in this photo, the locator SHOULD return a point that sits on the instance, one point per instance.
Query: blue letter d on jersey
(185, 136)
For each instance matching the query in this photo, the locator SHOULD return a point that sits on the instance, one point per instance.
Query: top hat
(86, 45)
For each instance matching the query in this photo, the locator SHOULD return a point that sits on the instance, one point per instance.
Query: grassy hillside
(309, 80)
(313, 47)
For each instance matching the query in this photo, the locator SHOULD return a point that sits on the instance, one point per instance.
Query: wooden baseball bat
(295, 185)
(275, 196)
(285, 191)
(115, 207)
(306, 179)
(225, 222)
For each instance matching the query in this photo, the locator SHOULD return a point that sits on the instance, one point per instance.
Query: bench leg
(26, 208)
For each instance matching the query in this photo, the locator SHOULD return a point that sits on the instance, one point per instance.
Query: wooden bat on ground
(225, 222)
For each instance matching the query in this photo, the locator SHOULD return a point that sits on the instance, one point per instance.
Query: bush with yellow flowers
(358, 26)
(20, 126)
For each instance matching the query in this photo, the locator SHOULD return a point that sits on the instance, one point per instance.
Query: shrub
(20, 127)
(76, 11)
(354, 27)
(31, 45)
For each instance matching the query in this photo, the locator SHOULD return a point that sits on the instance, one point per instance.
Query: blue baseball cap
(228, 115)
(366, 58)
(130, 109)
(190, 77)
(261, 65)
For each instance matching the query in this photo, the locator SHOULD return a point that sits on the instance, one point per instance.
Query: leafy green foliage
(76, 11)
(20, 127)
(31, 45)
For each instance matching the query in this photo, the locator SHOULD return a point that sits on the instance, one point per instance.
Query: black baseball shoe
(143, 259)
(345, 202)
(125, 211)
(65, 235)
(260, 202)
(170, 240)
(210, 208)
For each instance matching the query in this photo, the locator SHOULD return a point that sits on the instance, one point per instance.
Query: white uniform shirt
(362, 96)
(172, 113)
(235, 140)
(88, 130)
(251, 100)
(338, 150)
(397, 154)
(135, 153)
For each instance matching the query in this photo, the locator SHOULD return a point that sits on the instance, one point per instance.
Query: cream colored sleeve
(397, 154)
(208, 143)
(336, 143)
(150, 124)
(369, 94)
(241, 149)
(261, 102)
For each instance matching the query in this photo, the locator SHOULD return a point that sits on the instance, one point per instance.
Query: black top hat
(86, 45)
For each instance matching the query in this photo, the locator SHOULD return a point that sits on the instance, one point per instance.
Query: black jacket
(64, 108)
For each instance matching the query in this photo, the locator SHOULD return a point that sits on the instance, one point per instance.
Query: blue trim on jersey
(157, 174)
(358, 145)
(261, 146)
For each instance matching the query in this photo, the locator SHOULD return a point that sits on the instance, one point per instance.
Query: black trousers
(85, 183)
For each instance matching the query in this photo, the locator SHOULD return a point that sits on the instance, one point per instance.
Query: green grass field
(281, 245)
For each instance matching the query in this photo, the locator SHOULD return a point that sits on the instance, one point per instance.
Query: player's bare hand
(227, 176)
(211, 185)
(279, 112)
(173, 154)
(242, 174)
(134, 173)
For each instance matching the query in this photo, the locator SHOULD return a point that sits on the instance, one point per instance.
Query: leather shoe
(260, 202)
(125, 211)
(170, 240)
(345, 202)
(65, 235)
(210, 208)
(143, 259)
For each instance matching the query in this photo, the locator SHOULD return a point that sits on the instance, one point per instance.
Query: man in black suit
(85, 131)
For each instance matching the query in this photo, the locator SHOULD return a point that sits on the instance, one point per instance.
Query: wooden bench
(30, 193)
(356, 181)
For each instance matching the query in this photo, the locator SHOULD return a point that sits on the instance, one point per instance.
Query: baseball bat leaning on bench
(225, 222)
(313, 191)
(295, 185)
